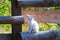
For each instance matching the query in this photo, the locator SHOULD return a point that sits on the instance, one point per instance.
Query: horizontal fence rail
(6, 37)
(42, 35)
(20, 19)
(11, 20)
(38, 3)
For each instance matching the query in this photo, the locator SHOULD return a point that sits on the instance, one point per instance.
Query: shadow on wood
(6, 37)
(44, 35)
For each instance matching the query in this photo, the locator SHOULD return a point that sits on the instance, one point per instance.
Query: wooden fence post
(16, 28)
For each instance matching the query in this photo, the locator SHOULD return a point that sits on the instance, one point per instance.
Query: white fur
(33, 25)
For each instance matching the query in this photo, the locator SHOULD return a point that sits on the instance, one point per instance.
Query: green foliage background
(42, 8)
(5, 10)
(43, 27)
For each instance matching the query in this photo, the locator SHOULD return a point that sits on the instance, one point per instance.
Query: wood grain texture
(38, 3)
(6, 37)
(44, 35)
(11, 20)
(16, 28)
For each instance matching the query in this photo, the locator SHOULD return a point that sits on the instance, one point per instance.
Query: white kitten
(33, 25)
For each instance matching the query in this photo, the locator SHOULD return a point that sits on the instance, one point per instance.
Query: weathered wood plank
(44, 35)
(16, 28)
(6, 37)
(38, 3)
(11, 20)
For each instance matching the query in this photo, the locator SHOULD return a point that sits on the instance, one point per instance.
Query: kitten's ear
(27, 15)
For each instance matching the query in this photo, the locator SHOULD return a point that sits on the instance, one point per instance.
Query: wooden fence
(38, 3)
(16, 20)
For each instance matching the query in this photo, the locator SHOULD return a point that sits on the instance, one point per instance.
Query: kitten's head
(30, 17)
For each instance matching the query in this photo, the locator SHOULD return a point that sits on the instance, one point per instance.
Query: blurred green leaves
(49, 26)
(5, 28)
(42, 8)
(5, 8)
(43, 27)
